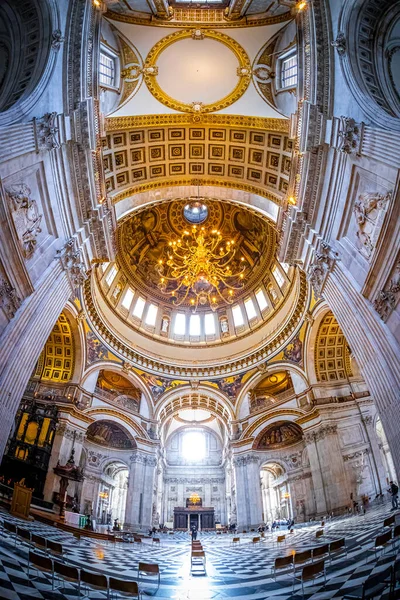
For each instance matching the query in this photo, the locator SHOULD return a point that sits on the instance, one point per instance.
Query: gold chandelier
(194, 498)
(200, 268)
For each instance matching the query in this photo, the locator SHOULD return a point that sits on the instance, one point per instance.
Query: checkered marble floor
(242, 571)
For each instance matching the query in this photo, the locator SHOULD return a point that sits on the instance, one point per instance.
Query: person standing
(394, 490)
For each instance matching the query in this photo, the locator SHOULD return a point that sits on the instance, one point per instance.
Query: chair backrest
(94, 579)
(322, 523)
(137, 540)
(396, 531)
(389, 521)
(10, 527)
(41, 562)
(148, 568)
(281, 538)
(129, 587)
(66, 570)
(383, 539)
(337, 545)
(256, 540)
(198, 553)
(156, 540)
(396, 570)
(320, 550)
(283, 561)
(301, 557)
(55, 547)
(235, 540)
(310, 571)
(319, 533)
(24, 533)
(38, 540)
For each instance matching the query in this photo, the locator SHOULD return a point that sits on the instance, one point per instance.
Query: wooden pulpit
(21, 501)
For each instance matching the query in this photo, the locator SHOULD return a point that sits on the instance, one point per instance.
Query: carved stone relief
(25, 214)
(319, 268)
(9, 300)
(369, 211)
(387, 298)
(46, 132)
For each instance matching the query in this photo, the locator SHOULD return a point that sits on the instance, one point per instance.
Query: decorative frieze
(68, 432)
(241, 461)
(144, 459)
(311, 437)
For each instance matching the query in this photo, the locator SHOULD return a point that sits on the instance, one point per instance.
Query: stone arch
(90, 376)
(287, 414)
(270, 369)
(30, 38)
(102, 413)
(331, 352)
(272, 429)
(367, 51)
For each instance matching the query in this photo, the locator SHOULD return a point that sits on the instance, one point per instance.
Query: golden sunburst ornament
(202, 268)
(194, 498)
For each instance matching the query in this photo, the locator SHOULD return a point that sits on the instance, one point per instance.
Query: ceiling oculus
(197, 71)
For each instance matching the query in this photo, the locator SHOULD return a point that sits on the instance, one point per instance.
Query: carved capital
(318, 270)
(70, 258)
(349, 135)
(387, 299)
(57, 39)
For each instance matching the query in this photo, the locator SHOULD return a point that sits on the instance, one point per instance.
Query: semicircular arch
(109, 414)
(287, 414)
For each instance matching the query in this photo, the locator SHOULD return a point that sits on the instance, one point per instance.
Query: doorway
(194, 521)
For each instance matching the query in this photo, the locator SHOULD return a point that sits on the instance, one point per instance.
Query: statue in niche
(273, 293)
(224, 325)
(165, 325)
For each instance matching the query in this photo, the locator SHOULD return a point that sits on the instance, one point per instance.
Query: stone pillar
(139, 500)
(67, 435)
(23, 340)
(327, 468)
(248, 491)
(375, 349)
(378, 468)
(242, 504)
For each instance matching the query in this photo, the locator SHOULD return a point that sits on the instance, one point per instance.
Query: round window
(195, 212)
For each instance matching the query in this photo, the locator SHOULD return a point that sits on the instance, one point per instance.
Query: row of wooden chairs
(25, 536)
(384, 540)
(297, 559)
(197, 556)
(81, 579)
(377, 583)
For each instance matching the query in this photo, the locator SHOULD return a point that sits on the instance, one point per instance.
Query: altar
(202, 517)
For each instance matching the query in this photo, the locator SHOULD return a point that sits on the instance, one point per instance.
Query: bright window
(237, 315)
(111, 274)
(194, 325)
(139, 308)
(107, 70)
(127, 299)
(151, 315)
(104, 266)
(251, 311)
(289, 70)
(180, 324)
(279, 278)
(193, 446)
(285, 267)
(261, 300)
(209, 324)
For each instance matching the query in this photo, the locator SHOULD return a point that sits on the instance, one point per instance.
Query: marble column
(248, 491)
(378, 468)
(373, 346)
(139, 500)
(327, 468)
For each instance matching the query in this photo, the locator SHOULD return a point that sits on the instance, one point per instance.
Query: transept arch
(288, 414)
(123, 420)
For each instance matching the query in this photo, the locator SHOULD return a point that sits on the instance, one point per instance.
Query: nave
(243, 571)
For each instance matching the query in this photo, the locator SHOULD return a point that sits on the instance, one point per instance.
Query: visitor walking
(394, 490)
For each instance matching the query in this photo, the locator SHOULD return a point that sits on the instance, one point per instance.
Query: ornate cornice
(237, 185)
(183, 18)
(266, 124)
(150, 71)
(201, 372)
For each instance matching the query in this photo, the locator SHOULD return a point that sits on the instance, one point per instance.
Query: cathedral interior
(199, 299)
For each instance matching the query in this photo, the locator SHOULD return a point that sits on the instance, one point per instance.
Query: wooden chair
(55, 549)
(93, 581)
(156, 541)
(235, 540)
(256, 540)
(11, 530)
(322, 523)
(302, 557)
(373, 586)
(198, 559)
(319, 533)
(381, 543)
(24, 536)
(336, 547)
(389, 521)
(38, 542)
(311, 572)
(149, 570)
(219, 532)
(125, 589)
(281, 562)
(280, 539)
(320, 551)
(396, 534)
(63, 573)
(41, 564)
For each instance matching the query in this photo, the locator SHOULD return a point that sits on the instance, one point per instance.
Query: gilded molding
(200, 372)
(152, 185)
(150, 76)
(184, 18)
(132, 122)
